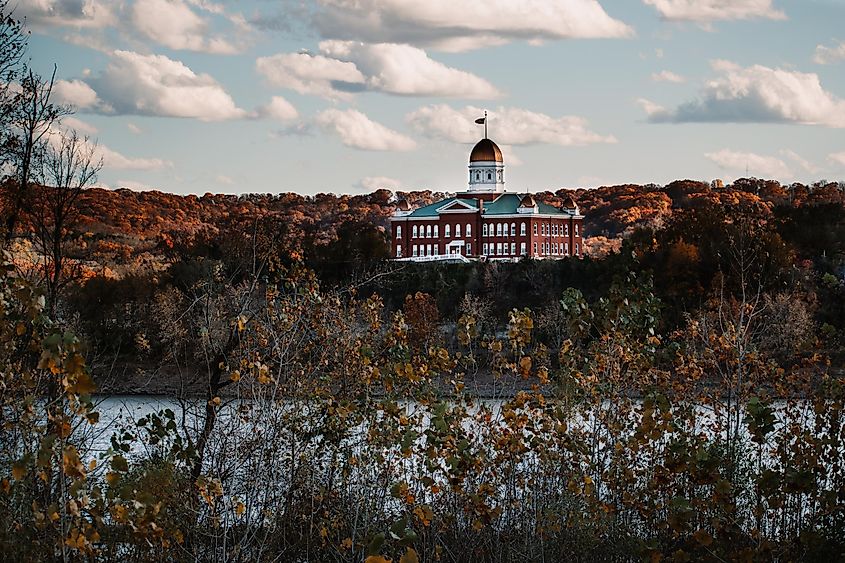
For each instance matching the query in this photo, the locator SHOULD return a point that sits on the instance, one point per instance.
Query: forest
(677, 394)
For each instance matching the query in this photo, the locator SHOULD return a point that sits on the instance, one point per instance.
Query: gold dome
(486, 151)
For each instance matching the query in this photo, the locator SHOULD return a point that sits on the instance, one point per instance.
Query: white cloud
(174, 24)
(757, 165)
(134, 128)
(138, 84)
(345, 67)
(805, 164)
(115, 160)
(467, 24)
(309, 74)
(358, 131)
(278, 108)
(373, 183)
(508, 126)
(75, 93)
(78, 125)
(650, 108)
(76, 13)
(705, 11)
(223, 179)
(133, 185)
(667, 76)
(408, 71)
(837, 157)
(757, 94)
(829, 55)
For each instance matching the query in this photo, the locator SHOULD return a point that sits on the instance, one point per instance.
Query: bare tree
(31, 119)
(70, 165)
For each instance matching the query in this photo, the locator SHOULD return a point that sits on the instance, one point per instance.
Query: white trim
(445, 207)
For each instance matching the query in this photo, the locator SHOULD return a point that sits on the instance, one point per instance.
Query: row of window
(430, 231)
(432, 250)
(500, 230)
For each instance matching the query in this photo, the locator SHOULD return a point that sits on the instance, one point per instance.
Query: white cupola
(486, 167)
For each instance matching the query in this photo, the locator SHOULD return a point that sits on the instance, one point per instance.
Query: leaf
(377, 559)
(119, 463)
(18, 471)
(703, 537)
(375, 544)
(240, 508)
(410, 556)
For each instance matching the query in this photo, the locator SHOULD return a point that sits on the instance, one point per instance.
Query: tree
(70, 165)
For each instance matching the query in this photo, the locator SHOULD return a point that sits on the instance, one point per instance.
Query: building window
(398, 231)
(566, 230)
(513, 248)
(513, 229)
(415, 250)
(414, 231)
(469, 230)
(535, 247)
(522, 247)
(489, 176)
(498, 229)
(484, 230)
(398, 251)
(522, 229)
(447, 230)
(499, 248)
(484, 249)
(457, 231)
(428, 231)
(469, 249)
(577, 249)
(535, 234)
(576, 229)
(566, 249)
(428, 250)
(436, 231)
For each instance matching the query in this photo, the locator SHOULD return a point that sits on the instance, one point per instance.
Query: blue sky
(195, 96)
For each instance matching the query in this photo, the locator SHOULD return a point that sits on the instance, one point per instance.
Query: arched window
(566, 230)
(498, 229)
(489, 176)
(484, 230)
(577, 249)
(398, 231)
(576, 229)
(414, 231)
(535, 234)
(398, 251)
(457, 231)
(513, 229)
(522, 229)
(447, 230)
(428, 231)
(436, 231)
(469, 230)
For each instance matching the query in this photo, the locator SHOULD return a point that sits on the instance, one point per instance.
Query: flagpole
(485, 124)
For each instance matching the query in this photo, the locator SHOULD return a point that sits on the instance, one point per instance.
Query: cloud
(837, 157)
(829, 55)
(75, 93)
(309, 74)
(174, 24)
(757, 165)
(87, 14)
(223, 179)
(358, 131)
(805, 164)
(706, 11)
(133, 185)
(136, 84)
(373, 183)
(509, 126)
(78, 125)
(468, 24)
(134, 128)
(278, 108)
(115, 160)
(667, 76)
(757, 94)
(346, 67)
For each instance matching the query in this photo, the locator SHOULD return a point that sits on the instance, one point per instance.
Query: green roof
(505, 204)
(431, 209)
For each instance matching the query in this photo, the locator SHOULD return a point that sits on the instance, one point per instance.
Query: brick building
(485, 221)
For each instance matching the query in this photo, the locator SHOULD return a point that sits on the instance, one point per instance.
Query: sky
(348, 96)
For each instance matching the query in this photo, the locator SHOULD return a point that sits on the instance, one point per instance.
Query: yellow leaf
(18, 471)
(377, 559)
(346, 543)
(240, 508)
(20, 329)
(410, 556)
(92, 465)
(235, 376)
